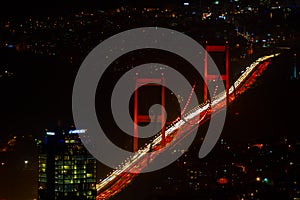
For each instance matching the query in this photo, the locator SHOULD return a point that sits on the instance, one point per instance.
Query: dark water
(271, 108)
(37, 95)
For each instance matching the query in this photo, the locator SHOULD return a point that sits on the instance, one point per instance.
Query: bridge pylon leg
(207, 76)
(145, 118)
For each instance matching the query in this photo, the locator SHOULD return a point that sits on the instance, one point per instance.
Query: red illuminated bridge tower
(160, 81)
(224, 77)
(145, 118)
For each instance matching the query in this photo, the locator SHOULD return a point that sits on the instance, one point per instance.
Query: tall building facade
(66, 169)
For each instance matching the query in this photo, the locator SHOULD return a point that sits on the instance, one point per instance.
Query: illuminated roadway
(178, 130)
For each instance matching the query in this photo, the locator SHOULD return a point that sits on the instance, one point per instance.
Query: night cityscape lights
(256, 157)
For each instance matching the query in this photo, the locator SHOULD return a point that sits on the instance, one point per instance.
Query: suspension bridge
(179, 129)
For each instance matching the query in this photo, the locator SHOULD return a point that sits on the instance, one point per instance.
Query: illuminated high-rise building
(66, 169)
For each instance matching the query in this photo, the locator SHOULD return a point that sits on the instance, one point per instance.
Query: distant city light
(186, 3)
(222, 181)
(77, 131)
(26, 162)
(266, 180)
(50, 133)
(206, 15)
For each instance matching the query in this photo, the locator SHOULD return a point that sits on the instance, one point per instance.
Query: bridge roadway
(118, 179)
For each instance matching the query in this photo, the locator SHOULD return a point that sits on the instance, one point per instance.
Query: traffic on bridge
(118, 179)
